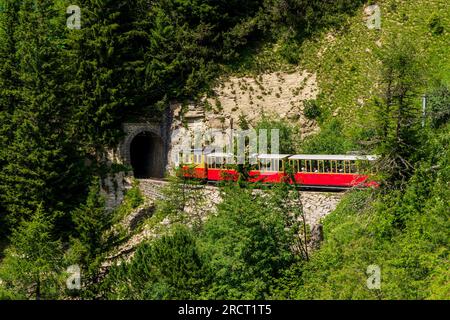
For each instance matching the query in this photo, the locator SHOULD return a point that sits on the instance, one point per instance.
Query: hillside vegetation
(64, 94)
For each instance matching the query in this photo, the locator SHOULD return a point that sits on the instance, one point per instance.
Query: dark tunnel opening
(147, 158)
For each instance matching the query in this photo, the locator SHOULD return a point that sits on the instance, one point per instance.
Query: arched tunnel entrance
(147, 156)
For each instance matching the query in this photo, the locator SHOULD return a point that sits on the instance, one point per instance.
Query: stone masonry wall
(316, 205)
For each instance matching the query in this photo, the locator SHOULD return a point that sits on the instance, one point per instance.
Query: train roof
(220, 155)
(332, 157)
(272, 156)
(196, 150)
(299, 156)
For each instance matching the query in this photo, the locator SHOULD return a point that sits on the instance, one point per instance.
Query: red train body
(340, 171)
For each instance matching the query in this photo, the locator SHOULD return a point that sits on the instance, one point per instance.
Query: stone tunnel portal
(147, 156)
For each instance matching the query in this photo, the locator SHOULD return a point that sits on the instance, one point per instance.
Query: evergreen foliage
(40, 164)
(397, 113)
(65, 93)
(168, 268)
(91, 241)
(31, 268)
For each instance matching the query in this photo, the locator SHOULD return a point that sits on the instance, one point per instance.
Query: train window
(314, 166)
(302, 166)
(321, 166)
(264, 165)
(275, 165)
(353, 167)
(295, 165)
(340, 166)
(327, 166)
(187, 158)
(269, 165)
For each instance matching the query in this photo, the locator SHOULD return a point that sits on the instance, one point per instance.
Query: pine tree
(32, 264)
(105, 56)
(41, 163)
(9, 78)
(9, 84)
(170, 267)
(397, 110)
(90, 243)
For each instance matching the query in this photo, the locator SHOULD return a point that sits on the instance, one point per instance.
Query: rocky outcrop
(113, 188)
(316, 205)
(279, 94)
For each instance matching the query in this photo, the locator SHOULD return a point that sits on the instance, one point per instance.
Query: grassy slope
(405, 234)
(414, 257)
(348, 67)
(345, 59)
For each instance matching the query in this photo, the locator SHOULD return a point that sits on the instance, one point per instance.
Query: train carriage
(312, 171)
(221, 167)
(332, 170)
(269, 168)
(192, 164)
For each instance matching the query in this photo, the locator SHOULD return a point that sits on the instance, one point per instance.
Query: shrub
(435, 25)
(439, 101)
(289, 134)
(312, 110)
(330, 140)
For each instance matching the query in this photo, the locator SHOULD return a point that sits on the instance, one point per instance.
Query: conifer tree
(397, 110)
(9, 83)
(41, 164)
(91, 242)
(104, 80)
(31, 268)
(9, 79)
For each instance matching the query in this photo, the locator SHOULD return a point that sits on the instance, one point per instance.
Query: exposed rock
(316, 237)
(139, 215)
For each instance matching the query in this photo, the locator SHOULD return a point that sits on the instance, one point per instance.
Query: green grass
(345, 59)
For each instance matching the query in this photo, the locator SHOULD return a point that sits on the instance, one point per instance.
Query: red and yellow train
(313, 171)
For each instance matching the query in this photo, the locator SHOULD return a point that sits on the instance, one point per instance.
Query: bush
(170, 267)
(439, 102)
(330, 140)
(312, 110)
(289, 134)
(247, 245)
(435, 25)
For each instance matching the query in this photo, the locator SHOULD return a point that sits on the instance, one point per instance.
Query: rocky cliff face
(279, 95)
